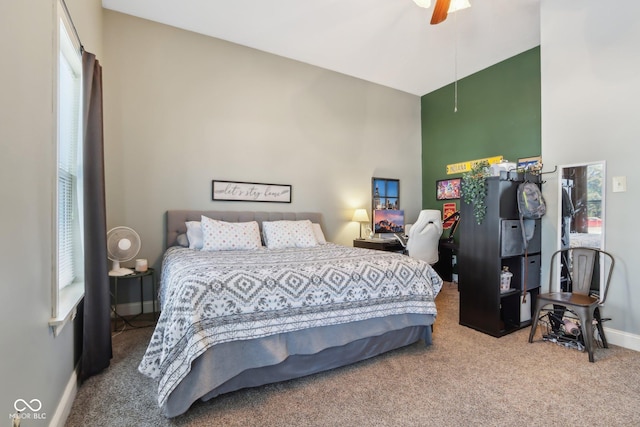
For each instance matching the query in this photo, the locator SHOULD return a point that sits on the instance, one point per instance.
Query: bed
(277, 309)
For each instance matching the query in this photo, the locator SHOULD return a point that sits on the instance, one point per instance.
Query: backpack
(531, 206)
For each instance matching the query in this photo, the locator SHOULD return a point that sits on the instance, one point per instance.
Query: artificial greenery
(474, 189)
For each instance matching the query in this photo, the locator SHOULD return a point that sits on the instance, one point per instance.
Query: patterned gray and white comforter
(209, 298)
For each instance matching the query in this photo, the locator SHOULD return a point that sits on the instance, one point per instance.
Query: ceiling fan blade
(440, 11)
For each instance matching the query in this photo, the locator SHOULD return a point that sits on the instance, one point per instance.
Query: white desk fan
(123, 244)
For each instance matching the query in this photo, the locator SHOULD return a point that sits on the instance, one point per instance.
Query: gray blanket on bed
(215, 297)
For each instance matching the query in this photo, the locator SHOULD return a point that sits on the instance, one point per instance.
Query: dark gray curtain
(96, 322)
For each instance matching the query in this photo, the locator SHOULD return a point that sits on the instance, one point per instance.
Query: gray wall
(590, 71)
(182, 109)
(34, 363)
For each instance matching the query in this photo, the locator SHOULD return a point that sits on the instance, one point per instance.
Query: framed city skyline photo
(385, 193)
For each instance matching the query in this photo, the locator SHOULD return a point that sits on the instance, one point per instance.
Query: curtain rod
(73, 26)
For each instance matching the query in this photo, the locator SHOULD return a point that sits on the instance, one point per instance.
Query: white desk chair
(424, 236)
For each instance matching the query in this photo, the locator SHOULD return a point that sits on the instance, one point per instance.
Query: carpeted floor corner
(464, 378)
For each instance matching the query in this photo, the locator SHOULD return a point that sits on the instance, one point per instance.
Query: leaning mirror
(582, 191)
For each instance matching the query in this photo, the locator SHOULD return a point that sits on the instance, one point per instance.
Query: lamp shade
(360, 215)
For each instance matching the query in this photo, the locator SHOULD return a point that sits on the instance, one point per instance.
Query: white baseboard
(64, 407)
(133, 308)
(623, 339)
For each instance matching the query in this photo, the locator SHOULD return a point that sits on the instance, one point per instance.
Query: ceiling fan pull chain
(455, 102)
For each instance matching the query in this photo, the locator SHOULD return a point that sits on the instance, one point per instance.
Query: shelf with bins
(485, 249)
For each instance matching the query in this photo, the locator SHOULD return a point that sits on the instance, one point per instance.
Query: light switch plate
(619, 184)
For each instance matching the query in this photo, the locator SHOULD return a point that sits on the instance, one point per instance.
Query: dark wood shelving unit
(485, 248)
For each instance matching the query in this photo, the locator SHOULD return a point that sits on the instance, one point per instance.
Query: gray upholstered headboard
(176, 219)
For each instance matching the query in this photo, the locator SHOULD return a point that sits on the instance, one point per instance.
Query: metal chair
(581, 300)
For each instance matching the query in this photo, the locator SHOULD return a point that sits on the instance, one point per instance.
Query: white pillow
(317, 231)
(229, 236)
(194, 234)
(288, 234)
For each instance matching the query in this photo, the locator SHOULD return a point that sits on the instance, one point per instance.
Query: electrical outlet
(619, 184)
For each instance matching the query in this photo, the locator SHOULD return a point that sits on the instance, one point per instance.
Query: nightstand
(140, 276)
(390, 245)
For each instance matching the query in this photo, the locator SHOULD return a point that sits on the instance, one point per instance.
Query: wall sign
(250, 192)
(448, 209)
(467, 166)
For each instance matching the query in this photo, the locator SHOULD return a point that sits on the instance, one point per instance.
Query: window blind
(69, 126)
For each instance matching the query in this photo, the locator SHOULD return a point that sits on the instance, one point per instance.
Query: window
(69, 286)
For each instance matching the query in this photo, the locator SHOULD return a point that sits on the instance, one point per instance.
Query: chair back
(424, 236)
(581, 268)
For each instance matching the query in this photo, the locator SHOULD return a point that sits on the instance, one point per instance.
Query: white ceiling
(389, 42)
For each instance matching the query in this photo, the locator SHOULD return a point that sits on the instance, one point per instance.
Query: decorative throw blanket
(209, 298)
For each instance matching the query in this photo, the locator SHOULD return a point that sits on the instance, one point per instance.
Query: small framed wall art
(530, 163)
(385, 193)
(448, 209)
(448, 189)
(250, 192)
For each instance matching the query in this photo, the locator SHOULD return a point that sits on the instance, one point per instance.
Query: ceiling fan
(440, 11)
(442, 8)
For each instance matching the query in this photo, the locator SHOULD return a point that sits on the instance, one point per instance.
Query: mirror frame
(561, 169)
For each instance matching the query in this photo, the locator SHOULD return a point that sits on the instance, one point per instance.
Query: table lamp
(361, 216)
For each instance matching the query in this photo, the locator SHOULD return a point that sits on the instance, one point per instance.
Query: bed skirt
(241, 364)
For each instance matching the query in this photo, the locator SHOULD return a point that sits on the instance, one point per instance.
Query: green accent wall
(498, 115)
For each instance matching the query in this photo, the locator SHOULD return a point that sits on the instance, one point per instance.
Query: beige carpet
(465, 378)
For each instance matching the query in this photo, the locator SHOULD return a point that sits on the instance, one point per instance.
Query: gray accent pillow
(182, 240)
